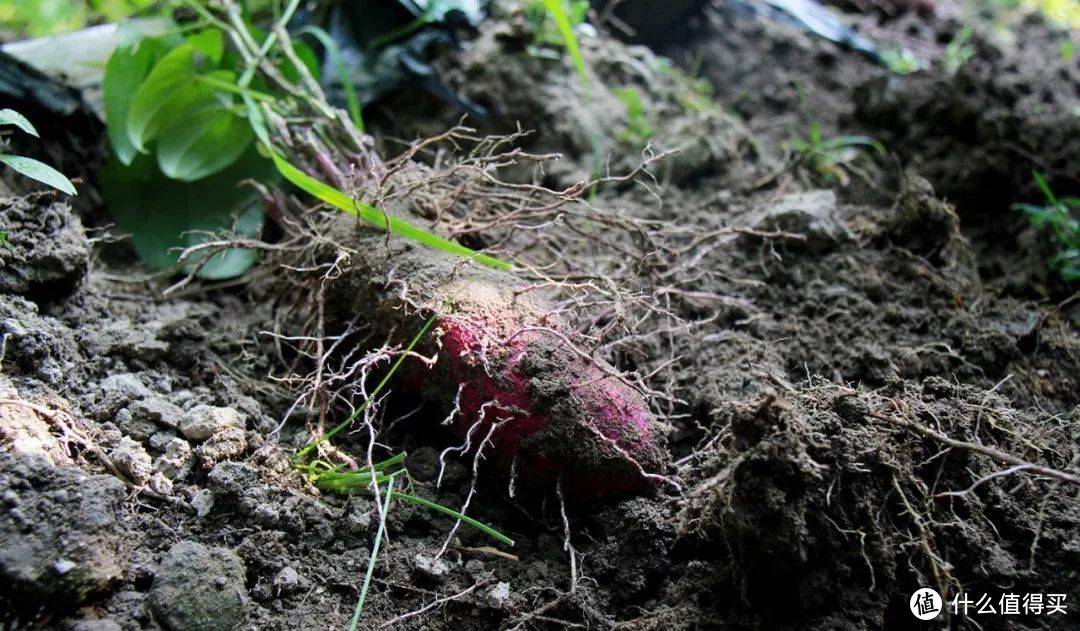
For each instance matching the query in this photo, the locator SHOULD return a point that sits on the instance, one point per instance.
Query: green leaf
(164, 215)
(11, 117)
(207, 92)
(210, 43)
(126, 70)
(346, 79)
(174, 73)
(39, 171)
(205, 144)
(1044, 187)
(374, 216)
(566, 29)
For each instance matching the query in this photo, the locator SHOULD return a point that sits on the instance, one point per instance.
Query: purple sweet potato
(502, 359)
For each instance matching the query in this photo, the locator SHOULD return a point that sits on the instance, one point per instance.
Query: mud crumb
(197, 588)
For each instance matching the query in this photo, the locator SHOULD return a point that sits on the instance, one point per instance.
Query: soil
(865, 384)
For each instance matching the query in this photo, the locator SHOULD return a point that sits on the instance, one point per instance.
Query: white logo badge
(925, 604)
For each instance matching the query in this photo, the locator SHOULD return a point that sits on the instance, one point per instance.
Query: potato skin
(502, 359)
(559, 415)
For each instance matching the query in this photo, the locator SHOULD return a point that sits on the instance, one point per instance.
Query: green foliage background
(35, 18)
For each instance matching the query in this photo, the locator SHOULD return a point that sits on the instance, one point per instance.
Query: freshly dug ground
(860, 389)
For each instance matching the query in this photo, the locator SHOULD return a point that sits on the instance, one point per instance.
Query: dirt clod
(197, 588)
(59, 536)
(203, 421)
(45, 252)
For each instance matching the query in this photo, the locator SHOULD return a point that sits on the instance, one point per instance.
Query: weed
(902, 61)
(28, 166)
(831, 158)
(547, 19)
(567, 15)
(188, 104)
(638, 131)
(1063, 217)
(959, 50)
(694, 94)
(359, 610)
(1068, 50)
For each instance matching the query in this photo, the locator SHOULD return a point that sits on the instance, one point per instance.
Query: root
(1019, 464)
(66, 423)
(436, 604)
(568, 547)
(472, 483)
(893, 458)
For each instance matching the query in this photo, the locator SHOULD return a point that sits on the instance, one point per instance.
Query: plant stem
(234, 89)
(488, 530)
(374, 555)
(271, 39)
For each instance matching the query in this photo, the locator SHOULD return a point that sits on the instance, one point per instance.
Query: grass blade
(374, 555)
(11, 117)
(334, 52)
(842, 142)
(1040, 180)
(484, 528)
(374, 393)
(39, 171)
(376, 217)
(562, 22)
(359, 481)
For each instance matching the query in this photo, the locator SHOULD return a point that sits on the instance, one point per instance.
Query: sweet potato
(502, 359)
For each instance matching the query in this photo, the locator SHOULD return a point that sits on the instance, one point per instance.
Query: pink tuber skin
(560, 415)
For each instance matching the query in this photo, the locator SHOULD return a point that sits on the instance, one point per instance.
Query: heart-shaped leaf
(126, 70)
(171, 76)
(210, 43)
(39, 171)
(164, 215)
(203, 145)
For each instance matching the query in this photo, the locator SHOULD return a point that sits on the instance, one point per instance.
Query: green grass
(959, 50)
(831, 157)
(566, 30)
(638, 130)
(374, 216)
(902, 61)
(359, 610)
(1062, 215)
(564, 25)
(331, 479)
